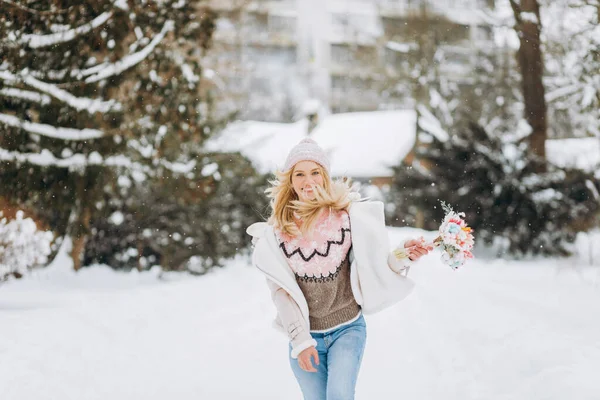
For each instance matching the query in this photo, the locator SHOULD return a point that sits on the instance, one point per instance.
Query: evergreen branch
(129, 61)
(36, 41)
(79, 103)
(51, 131)
(43, 99)
(77, 161)
(563, 92)
(36, 12)
(446, 207)
(76, 73)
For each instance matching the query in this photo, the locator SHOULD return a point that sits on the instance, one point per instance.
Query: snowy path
(494, 330)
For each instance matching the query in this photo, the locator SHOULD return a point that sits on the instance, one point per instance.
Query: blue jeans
(340, 354)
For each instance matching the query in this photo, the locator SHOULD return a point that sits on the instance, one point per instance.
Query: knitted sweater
(321, 265)
(376, 283)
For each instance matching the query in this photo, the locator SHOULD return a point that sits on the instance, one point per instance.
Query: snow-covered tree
(495, 180)
(572, 43)
(22, 246)
(171, 221)
(100, 98)
(89, 86)
(458, 84)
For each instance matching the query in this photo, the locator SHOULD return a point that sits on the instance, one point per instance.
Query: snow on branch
(179, 168)
(78, 103)
(88, 71)
(133, 59)
(400, 47)
(43, 99)
(563, 92)
(186, 69)
(75, 73)
(80, 161)
(429, 123)
(21, 245)
(122, 4)
(8, 77)
(76, 161)
(51, 131)
(35, 12)
(529, 17)
(35, 41)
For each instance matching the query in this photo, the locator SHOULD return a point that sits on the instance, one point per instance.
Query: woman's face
(305, 176)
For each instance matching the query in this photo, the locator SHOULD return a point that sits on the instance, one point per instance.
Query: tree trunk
(80, 237)
(528, 27)
(140, 249)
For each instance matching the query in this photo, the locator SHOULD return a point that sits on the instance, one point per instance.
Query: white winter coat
(377, 278)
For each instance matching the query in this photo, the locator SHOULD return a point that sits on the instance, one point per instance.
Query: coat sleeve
(400, 265)
(292, 320)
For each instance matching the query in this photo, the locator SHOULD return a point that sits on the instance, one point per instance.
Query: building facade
(269, 56)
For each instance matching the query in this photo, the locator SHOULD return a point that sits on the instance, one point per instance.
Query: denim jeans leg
(313, 384)
(344, 357)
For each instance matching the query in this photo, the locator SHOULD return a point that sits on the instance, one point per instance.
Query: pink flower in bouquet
(455, 238)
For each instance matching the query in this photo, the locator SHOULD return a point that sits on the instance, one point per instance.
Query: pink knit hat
(306, 150)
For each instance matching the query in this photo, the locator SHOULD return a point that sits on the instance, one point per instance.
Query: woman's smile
(307, 175)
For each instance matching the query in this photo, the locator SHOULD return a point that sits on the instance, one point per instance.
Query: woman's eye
(316, 173)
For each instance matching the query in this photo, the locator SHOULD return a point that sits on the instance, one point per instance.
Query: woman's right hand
(416, 248)
(304, 359)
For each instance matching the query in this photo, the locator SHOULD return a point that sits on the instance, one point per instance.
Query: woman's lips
(308, 191)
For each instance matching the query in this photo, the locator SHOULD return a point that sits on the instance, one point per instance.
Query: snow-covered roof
(360, 145)
(583, 153)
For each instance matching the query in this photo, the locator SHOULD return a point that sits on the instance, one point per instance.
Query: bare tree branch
(516, 10)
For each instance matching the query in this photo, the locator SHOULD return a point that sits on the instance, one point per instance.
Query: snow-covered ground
(493, 330)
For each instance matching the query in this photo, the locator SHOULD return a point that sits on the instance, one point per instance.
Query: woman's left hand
(417, 248)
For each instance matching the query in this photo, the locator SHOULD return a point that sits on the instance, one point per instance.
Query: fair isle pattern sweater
(322, 269)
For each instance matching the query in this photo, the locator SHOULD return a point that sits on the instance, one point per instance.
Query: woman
(327, 261)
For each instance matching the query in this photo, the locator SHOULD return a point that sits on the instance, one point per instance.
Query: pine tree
(145, 224)
(497, 183)
(99, 93)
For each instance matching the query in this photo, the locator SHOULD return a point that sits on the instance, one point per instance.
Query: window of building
(282, 25)
(260, 84)
(235, 83)
(256, 24)
(342, 54)
(415, 3)
(355, 25)
(395, 27)
(353, 55)
(397, 60)
(350, 83)
(448, 32)
(270, 56)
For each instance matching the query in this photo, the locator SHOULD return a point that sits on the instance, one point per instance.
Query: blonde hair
(334, 196)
